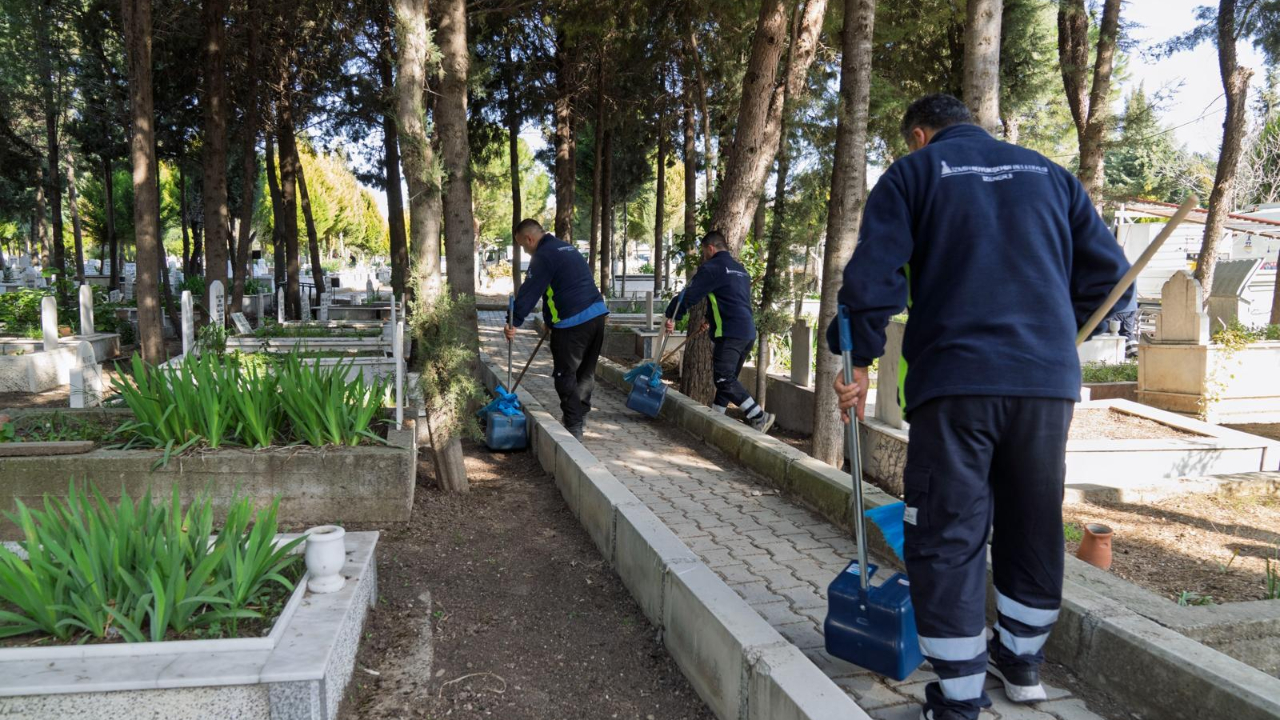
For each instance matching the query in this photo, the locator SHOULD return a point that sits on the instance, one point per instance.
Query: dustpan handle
(662, 337)
(855, 450)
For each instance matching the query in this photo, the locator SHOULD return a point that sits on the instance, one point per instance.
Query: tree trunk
(1092, 111)
(513, 141)
(249, 160)
(113, 282)
(313, 242)
(597, 169)
(606, 216)
(289, 205)
(844, 211)
(391, 159)
(277, 213)
(755, 140)
(53, 181)
(690, 177)
(459, 226)
(660, 210)
(182, 221)
(41, 232)
(76, 231)
(137, 28)
(1235, 83)
(197, 254)
(566, 155)
(412, 42)
(451, 473)
(214, 153)
(982, 61)
(709, 151)
(776, 266)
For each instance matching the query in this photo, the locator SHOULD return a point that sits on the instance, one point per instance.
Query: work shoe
(576, 432)
(763, 421)
(1021, 682)
(927, 714)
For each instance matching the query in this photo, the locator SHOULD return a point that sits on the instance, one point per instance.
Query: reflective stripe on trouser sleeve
(968, 687)
(960, 663)
(1023, 629)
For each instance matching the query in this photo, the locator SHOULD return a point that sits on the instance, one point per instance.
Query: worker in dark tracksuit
(725, 284)
(574, 310)
(1000, 257)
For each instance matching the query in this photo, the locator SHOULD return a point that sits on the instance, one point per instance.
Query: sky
(1194, 104)
(1198, 105)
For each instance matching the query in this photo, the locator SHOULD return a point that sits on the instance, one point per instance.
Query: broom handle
(1138, 266)
(855, 452)
(662, 341)
(511, 314)
(681, 344)
(536, 348)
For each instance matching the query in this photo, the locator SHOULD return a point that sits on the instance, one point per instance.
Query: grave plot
(41, 363)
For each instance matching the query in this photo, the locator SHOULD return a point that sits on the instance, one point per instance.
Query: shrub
(254, 286)
(142, 569)
(1104, 373)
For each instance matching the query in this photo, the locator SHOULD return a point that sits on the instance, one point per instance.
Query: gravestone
(261, 300)
(217, 304)
(1182, 317)
(86, 378)
(128, 290)
(802, 354)
(49, 322)
(368, 292)
(188, 324)
(325, 301)
(242, 324)
(305, 298)
(115, 296)
(280, 305)
(86, 310)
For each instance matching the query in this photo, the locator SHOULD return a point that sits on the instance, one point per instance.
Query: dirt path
(520, 601)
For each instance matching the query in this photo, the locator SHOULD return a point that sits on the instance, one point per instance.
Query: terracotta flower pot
(1095, 548)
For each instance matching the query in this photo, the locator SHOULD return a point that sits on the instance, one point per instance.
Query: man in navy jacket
(725, 284)
(574, 310)
(1000, 257)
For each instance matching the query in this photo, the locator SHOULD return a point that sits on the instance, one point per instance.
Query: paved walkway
(776, 554)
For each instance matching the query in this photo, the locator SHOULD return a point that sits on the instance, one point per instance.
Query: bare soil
(1210, 546)
(528, 623)
(1108, 424)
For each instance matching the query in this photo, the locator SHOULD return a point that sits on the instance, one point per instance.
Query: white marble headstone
(188, 324)
(49, 322)
(128, 289)
(115, 296)
(368, 291)
(86, 310)
(280, 305)
(1182, 317)
(86, 378)
(217, 304)
(305, 298)
(242, 323)
(326, 300)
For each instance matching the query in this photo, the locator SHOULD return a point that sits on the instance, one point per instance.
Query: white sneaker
(763, 422)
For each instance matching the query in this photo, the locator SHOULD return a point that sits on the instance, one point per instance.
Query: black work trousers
(979, 464)
(575, 351)
(727, 358)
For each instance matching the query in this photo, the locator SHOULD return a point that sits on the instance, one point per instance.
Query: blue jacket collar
(956, 132)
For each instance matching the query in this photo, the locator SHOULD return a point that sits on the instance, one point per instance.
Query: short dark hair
(528, 224)
(715, 239)
(935, 112)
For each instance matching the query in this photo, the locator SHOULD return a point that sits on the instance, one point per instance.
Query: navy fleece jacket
(1000, 258)
(559, 270)
(727, 286)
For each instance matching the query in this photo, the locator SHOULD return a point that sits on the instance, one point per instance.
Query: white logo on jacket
(992, 174)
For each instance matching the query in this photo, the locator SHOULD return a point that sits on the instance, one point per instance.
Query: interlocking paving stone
(746, 533)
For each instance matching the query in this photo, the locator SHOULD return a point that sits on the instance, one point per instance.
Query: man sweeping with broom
(572, 308)
(724, 282)
(1000, 257)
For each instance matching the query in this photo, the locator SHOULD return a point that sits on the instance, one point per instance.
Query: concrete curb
(738, 663)
(1156, 670)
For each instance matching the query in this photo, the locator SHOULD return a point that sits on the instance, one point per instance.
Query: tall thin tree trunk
(76, 231)
(597, 169)
(513, 143)
(844, 211)
(661, 207)
(277, 212)
(982, 61)
(39, 228)
(249, 159)
(313, 242)
(182, 221)
(113, 282)
(137, 24)
(776, 266)
(565, 165)
(417, 157)
(1235, 83)
(398, 240)
(1090, 108)
(53, 179)
(606, 216)
(289, 165)
(690, 176)
(217, 217)
(709, 151)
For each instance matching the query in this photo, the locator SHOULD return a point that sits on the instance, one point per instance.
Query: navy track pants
(979, 464)
(728, 355)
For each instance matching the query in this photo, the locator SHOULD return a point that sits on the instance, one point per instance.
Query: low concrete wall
(1154, 670)
(1225, 386)
(1113, 391)
(300, 672)
(368, 483)
(791, 403)
(738, 663)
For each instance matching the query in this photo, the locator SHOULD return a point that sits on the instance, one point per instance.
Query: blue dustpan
(647, 394)
(505, 425)
(872, 626)
(889, 519)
